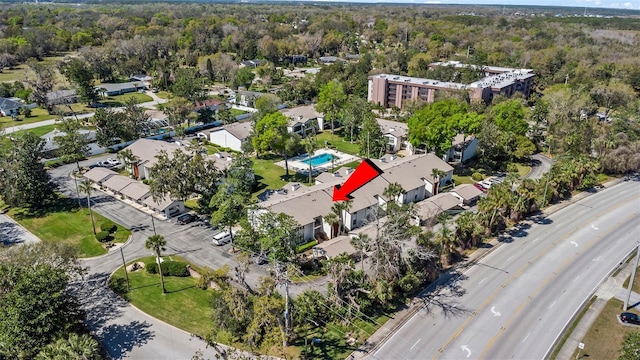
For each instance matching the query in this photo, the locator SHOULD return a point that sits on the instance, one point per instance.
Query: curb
(108, 252)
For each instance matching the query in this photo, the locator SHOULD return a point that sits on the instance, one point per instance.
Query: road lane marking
(550, 306)
(494, 311)
(546, 250)
(511, 257)
(575, 244)
(466, 349)
(536, 239)
(593, 226)
(483, 279)
(414, 345)
(598, 258)
(576, 279)
(525, 338)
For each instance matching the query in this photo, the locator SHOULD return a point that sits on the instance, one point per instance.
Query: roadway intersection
(516, 301)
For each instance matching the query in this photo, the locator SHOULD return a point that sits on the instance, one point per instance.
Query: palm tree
(75, 347)
(157, 243)
(465, 224)
(128, 158)
(393, 191)
(85, 187)
(436, 174)
(310, 145)
(447, 242)
(339, 208)
(332, 219)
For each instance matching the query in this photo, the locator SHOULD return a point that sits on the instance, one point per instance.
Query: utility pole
(546, 186)
(153, 224)
(283, 279)
(124, 264)
(566, 79)
(633, 275)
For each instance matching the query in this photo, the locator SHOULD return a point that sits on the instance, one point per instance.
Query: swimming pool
(318, 159)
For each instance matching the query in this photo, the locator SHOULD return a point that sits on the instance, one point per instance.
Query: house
(328, 60)
(145, 150)
(99, 175)
(248, 98)
(467, 193)
(221, 160)
(165, 206)
(294, 60)
(141, 79)
(303, 120)
(428, 210)
(50, 146)
(462, 150)
(231, 135)
(106, 89)
(60, 97)
(309, 205)
(251, 63)
(136, 191)
(10, 107)
(396, 134)
(212, 104)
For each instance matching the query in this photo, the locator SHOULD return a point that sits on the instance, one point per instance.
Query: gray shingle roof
(8, 104)
(147, 149)
(135, 190)
(99, 174)
(240, 130)
(117, 182)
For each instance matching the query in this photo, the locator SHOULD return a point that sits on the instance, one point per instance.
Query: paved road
(12, 233)
(516, 301)
(540, 164)
(150, 105)
(125, 331)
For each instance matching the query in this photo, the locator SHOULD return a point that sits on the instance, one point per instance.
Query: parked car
(112, 161)
(154, 90)
(221, 238)
(485, 184)
(186, 218)
(630, 318)
(479, 187)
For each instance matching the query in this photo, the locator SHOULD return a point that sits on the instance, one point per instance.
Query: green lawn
(163, 94)
(191, 204)
(65, 222)
(272, 176)
(523, 170)
(236, 112)
(184, 305)
(337, 142)
(37, 115)
(119, 100)
(22, 71)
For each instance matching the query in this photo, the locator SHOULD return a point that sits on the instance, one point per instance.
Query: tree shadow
(10, 234)
(517, 231)
(443, 295)
(55, 205)
(100, 304)
(121, 339)
(178, 290)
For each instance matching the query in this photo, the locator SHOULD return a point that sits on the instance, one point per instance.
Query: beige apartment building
(394, 90)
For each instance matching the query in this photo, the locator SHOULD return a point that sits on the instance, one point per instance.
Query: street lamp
(153, 223)
(633, 275)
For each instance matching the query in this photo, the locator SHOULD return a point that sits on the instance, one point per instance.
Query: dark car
(630, 318)
(186, 218)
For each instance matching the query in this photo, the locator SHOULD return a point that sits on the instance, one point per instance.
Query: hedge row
(169, 268)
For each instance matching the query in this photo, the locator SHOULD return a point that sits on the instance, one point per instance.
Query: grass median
(65, 222)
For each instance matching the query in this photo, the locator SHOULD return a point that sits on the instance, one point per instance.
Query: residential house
(309, 205)
(165, 206)
(145, 150)
(294, 60)
(99, 175)
(428, 210)
(248, 98)
(141, 79)
(61, 97)
(251, 63)
(222, 160)
(50, 148)
(303, 120)
(231, 136)
(106, 89)
(396, 134)
(212, 104)
(10, 107)
(463, 149)
(328, 60)
(467, 193)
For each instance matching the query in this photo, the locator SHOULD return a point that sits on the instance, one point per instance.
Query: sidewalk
(402, 316)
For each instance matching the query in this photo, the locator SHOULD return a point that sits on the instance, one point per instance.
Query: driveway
(540, 164)
(12, 233)
(125, 331)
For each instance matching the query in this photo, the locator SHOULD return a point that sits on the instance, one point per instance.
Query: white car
(485, 184)
(112, 161)
(221, 238)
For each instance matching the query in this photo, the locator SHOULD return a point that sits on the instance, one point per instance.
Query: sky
(613, 4)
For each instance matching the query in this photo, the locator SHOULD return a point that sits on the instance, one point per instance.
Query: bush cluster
(103, 236)
(169, 268)
(476, 176)
(108, 226)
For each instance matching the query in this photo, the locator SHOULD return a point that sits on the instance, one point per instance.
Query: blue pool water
(318, 159)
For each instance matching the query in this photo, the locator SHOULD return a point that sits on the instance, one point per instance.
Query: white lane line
(550, 306)
(536, 239)
(480, 282)
(509, 259)
(576, 279)
(414, 345)
(525, 338)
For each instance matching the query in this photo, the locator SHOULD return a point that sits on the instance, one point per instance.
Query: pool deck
(296, 164)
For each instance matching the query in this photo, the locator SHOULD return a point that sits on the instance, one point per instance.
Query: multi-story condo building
(394, 90)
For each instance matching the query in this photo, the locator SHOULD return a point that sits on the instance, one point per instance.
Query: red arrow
(364, 173)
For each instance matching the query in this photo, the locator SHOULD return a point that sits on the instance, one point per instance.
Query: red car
(480, 187)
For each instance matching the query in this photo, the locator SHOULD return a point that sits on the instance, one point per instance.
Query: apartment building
(394, 90)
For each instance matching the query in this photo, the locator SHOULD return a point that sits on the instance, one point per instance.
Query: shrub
(476, 176)
(304, 247)
(103, 236)
(512, 168)
(108, 226)
(169, 268)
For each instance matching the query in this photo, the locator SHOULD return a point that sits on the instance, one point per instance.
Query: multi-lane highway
(515, 302)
